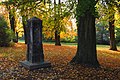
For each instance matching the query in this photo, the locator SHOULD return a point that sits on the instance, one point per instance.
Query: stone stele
(35, 56)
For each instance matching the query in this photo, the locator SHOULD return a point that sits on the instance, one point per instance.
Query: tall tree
(112, 25)
(86, 48)
(61, 10)
(108, 9)
(57, 25)
(24, 19)
(112, 35)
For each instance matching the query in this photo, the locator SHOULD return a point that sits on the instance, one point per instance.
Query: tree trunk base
(114, 49)
(57, 38)
(57, 44)
(92, 64)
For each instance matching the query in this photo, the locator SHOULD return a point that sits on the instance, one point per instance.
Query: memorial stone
(35, 56)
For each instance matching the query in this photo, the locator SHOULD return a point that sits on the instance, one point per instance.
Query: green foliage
(117, 32)
(5, 33)
(107, 9)
(53, 18)
(85, 6)
(2, 21)
(50, 13)
(62, 10)
(69, 39)
(102, 32)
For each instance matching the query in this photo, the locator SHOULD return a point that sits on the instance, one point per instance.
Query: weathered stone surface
(32, 66)
(35, 56)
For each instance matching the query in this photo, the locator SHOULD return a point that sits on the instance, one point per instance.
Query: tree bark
(112, 36)
(57, 24)
(102, 40)
(16, 37)
(86, 48)
(24, 27)
(12, 24)
(57, 38)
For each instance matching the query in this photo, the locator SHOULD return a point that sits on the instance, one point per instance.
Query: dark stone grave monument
(35, 56)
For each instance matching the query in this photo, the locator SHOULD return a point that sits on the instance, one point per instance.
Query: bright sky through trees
(58, 0)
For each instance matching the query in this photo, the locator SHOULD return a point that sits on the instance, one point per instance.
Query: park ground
(59, 56)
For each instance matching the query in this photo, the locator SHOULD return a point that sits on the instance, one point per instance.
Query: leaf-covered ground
(10, 69)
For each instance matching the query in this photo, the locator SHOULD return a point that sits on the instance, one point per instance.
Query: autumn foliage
(59, 56)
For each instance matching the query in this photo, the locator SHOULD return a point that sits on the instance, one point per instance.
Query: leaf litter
(59, 56)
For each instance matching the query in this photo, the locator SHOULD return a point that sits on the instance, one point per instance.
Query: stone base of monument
(32, 66)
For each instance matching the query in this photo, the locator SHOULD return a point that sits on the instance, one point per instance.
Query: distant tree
(57, 23)
(108, 9)
(111, 11)
(86, 48)
(112, 35)
(61, 11)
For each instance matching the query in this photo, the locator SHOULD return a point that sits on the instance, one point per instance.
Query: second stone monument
(35, 56)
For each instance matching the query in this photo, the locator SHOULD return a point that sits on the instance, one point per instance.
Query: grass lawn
(59, 56)
(52, 43)
(70, 44)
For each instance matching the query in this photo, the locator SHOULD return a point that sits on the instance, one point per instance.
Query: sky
(58, 0)
(1, 0)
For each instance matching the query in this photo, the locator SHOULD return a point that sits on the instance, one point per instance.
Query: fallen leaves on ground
(59, 57)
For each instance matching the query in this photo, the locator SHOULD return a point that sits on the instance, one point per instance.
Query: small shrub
(5, 33)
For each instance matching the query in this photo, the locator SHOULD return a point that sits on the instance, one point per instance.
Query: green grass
(100, 45)
(72, 44)
(63, 43)
(21, 41)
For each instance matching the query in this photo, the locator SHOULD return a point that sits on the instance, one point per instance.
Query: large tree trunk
(112, 36)
(24, 27)
(57, 38)
(86, 49)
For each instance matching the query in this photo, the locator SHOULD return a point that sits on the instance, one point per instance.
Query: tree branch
(96, 1)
